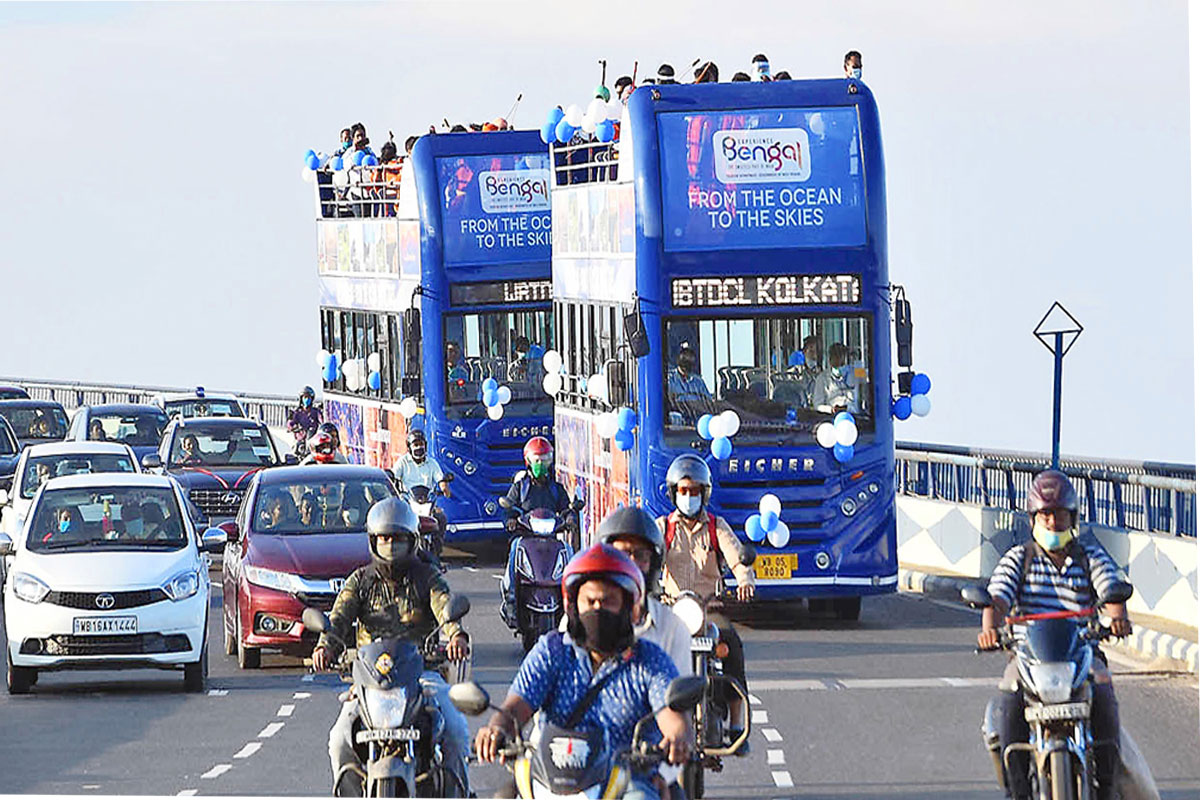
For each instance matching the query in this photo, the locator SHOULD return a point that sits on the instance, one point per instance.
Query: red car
(299, 533)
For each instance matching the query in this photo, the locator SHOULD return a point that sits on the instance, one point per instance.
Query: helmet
(416, 437)
(604, 562)
(322, 446)
(308, 392)
(689, 465)
(393, 517)
(1050, 490)
(539, 456)
(331, 430)
(630, 521)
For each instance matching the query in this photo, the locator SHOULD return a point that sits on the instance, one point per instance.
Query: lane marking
(250, 749)
(754, 701)
(471, 569)
(217, 771)
(308, 678)
(91, 786)
(187, 793)
(217, 692)
(804, 684)
(783, 779)
(301, 695)
(498, 577)
(285, 710)
(758, 717)
(772, 735)
(774, 758)
(270, 730)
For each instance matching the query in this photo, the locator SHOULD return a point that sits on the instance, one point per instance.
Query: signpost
(1058, 331)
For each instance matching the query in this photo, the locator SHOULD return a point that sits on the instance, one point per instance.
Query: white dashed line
(498, 577)
(217, 771)
(270, 730)
(301, 695)
(772, 735)
(775, 758)
(754, 701)
(308, 678)
(285, 710)
(758, 717)
(250, 749)
(471, 569)
(217, 692)
(187, 793)
(91, 786)
(782, 778)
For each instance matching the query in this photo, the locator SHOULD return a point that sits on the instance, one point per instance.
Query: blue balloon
(554, 116)
(721, 448)
(370, 161)
(548, 132)
(624, 440)
(358, 157)
(843, 415)
(606, 130)
(796, 359)
(626, 419)
(921, 383)
(902, 407)
(312, 161)
(490, 397)
(375, 380)
(702, 426)
(563, 131)
(843, 452)
(754, 529)
(337, 163)
(309, 152)
(769, 521)
(489, 385)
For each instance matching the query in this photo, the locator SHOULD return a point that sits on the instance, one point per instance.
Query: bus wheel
(847, 609)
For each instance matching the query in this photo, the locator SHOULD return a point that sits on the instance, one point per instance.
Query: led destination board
(500, 293)
(766, 290)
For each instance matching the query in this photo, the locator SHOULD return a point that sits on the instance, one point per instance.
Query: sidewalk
(1152, 636)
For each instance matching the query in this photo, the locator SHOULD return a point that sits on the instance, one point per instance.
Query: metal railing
(358, 192)
(1156, 497)
(587, 162)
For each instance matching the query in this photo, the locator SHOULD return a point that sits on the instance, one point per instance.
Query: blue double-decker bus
(450, 285)
(730, 253)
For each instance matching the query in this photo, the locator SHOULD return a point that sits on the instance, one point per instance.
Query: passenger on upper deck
(706, 73)
(852, 64)
(624, 87)
(761, 67)
(666, 74)
(740, 77)
(346, 142)
(831, 390)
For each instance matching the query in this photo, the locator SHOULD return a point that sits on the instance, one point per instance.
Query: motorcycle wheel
(1062, 776)
(693, 780)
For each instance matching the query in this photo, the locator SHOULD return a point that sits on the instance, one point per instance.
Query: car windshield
(10, 393)
(107, 517)
(319, 506)
(42, 422)
(136, 429)
(505, 345)
(203, 407)
(778, 373)
(221, 446)
(43, 468)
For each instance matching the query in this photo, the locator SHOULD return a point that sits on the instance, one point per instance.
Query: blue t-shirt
(556, 675)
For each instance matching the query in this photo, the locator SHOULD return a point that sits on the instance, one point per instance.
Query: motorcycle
(399, 725)
(577, 764)
(433, 521)
(1054, 654)
(538, 557)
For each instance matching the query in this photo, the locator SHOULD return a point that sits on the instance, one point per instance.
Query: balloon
(354, 381)
(716, 426)
(552, 383)
(597, 111)
(309, 152)
(921, 383)
(796, 359)
(312, 161)
(574, 115)
(307, 175)
(552, 361)
(769, 521)
(563, 131)
(846, 432)
(703, 426)
(624, 440)
(329, 372)
(322, 356)
(732, 422)
(721, 448)
(589, 125)
(626, 418)
(495, 412)
(770, 503)
(843, 452)
(615, 107)
(598, 387)
(548, 132)
(921, 405)
(505, 395)
(408, 407)
(605, 131)
(779, 536)
(554, 116)
(341, 178)
(370, 160)
(375, 380)
(491, 398)
(754, 529)
(841, 415)
(338, 164)
(358, 157)
(902, 407)
(826, 434)
(374, 362)
(607, 425)
(489, 385)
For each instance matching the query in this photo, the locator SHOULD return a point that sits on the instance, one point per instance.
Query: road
(886, 708)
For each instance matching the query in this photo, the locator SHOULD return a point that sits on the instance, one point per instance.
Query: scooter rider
(415, 469)
(627, 677)
(304, 419)
(1055, 572)
(397, 594)
(696, 539)
(324, 446)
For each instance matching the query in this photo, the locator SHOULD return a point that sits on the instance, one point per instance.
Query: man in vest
(696, 540)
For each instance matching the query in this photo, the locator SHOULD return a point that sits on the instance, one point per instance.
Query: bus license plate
(89, 625)
(775, 566)
(1058, 711)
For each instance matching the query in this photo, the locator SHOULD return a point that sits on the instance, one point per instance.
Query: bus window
(504, 345)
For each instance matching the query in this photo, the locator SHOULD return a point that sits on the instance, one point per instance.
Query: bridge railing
(1154, 497)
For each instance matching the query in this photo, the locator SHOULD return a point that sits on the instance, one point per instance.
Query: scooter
(399, 725)
(537, 557)
(577, 764)
(1054, 654)
(424, 502)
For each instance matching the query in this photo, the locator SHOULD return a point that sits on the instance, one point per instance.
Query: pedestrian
(852, 64)
(761, 67)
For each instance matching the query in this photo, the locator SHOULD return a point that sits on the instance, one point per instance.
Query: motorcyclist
(324, 446)
(397, 594)
(1056, 571)
(304, 419)
(415, 468)
(696, 540)
(602, 595)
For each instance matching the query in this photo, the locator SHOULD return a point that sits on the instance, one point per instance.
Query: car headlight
(523, 565)
(691, 612)
(29, 588)
(385, 707)
(183, 585)
(270, 579)
(1053, 681)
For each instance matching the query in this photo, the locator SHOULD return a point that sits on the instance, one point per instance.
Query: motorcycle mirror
(460, 604)
(749, 553)
(577, 504)
(470, 698)
(684, 694)
(504, 503)
(976, 597)
(1119, 592)
(314, 620)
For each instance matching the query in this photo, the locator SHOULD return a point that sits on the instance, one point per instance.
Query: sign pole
(1058, 359)
(1055, 325)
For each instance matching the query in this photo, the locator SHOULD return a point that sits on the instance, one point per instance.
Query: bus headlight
(469, 468)
(849, 506)
(822, 560)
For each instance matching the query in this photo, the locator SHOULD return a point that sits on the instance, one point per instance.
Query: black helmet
(1050, 490)
(689, 465)
(308, 392)
(331, 430)
(393, 517)
(631, 521)
(416, 437)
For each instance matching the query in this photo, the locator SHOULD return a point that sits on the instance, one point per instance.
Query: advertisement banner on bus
(495, 209)
(762, 178)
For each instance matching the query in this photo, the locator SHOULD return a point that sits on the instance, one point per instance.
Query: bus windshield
(505, 345)
(778, 373)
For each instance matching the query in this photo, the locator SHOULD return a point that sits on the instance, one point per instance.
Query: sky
(154, 228)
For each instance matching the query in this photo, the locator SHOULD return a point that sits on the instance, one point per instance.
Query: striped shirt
(1047, 587)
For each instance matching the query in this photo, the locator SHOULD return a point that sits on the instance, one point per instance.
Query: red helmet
(1051, 489)
(539, 451)
(603, 562)
(322, 447)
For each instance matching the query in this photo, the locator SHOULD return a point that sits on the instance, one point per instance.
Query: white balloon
(716, 426)
(816, 124)
(598, 387)
(921, 404)
(552, 361)
(341, 178)
(613, 109)
(307, 175)
(354, 381)
(495, 412)
(732, 423)
(607, 425)
(588, 125)
(770, 503)
(408, 407)
(826, 435)
(373, 362)
(574, 115)
(780, 535)
(552, 383)
(322, 357)
(846, 432)
(505, 394)
(597, 111)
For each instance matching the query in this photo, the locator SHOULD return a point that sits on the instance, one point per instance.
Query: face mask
(64, 525)
(1052, 540)
(603, 631)
(688, 504)
(307, 402)
(855, 72)
(418, 454)
(538, 470)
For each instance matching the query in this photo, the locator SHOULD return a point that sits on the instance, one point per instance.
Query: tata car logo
(761, 466)
(231, 498)
(105, 601)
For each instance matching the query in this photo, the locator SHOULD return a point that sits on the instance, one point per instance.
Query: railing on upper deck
(586, 162)
(358, 192)
(1136, 495)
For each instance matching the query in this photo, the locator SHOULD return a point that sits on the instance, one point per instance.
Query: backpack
(669, 536)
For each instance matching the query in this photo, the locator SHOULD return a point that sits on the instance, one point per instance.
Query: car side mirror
(231, 531)
(151, 461)
(4, 498)
(213, 540)
(684, 694)
(6, 545)
(1119, 592)
(470, 698)
(459, 606)
(315, 620)
(976, 597)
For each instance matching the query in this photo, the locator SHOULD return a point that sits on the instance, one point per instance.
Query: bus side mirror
(903, 334)
(635, 334)
(412, 344)
(614, 373)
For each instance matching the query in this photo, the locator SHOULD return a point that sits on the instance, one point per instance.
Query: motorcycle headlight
(270, 579)
(182, 586)
(385, 707)
(692, 614)
(543, 525)
(29, 588)
(1053, 682)
(523, 565)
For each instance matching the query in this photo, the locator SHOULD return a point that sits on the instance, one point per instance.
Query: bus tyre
(847, 609)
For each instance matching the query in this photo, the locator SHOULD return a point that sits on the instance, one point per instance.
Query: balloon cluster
(495, 397)
(599, 119)
(356, 374)
(374, 378)
(841, 434)
(905, 406)
(766, 524)
(618, 425)
(330, 364)
(553, 364)
(720, 429)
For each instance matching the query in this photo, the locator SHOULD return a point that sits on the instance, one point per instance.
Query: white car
(199, 404)
(108, 573)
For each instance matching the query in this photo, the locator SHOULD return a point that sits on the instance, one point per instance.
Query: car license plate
(92, 625)
(702, 644)
(775, 566)
(386, 735)
(1058, 711)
